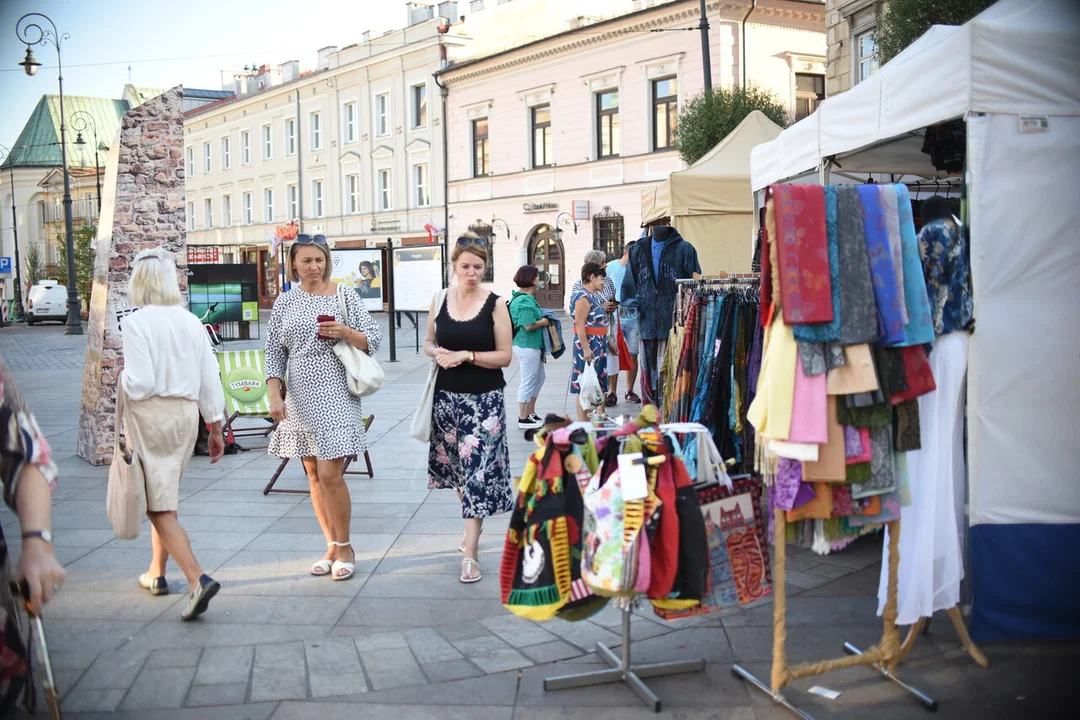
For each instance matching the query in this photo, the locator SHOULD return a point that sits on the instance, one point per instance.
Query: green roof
(39, 142)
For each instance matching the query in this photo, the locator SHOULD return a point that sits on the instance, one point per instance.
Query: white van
(47, 301)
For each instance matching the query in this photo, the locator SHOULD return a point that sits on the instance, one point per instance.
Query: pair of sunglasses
(310, 239)
(466, 241)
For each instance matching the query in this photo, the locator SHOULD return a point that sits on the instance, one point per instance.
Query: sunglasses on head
(310, 239)
(466, 241)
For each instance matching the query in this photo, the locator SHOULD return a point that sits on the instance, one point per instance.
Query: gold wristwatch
(472, 357)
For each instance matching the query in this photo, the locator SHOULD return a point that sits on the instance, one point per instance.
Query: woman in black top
(471, 340)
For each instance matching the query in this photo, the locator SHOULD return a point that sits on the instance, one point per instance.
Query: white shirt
(167, 354)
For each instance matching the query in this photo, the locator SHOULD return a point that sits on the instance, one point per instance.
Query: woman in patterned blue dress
(590, 331)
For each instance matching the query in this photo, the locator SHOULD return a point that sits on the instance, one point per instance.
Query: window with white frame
(249, 216)
(206, 156)
(315, 128)
(665, 103)
(267, 142)
(352, 187)
(481, 148)
(317, 203)
(421, 185)
(809, 92)
(541, 136)
(292, 197)
(866, 62)
(189, 165)
(268, 205)
(386, 190)
(382, 114)
(208, 213)
(226, 154)
(349, 122)
(607, 123)
(245, 147)
(226, 210)
(419, 106)
(290, 137)
(190, 216)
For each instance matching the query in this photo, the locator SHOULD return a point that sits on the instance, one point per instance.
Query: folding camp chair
(243, 378)
(370, 472)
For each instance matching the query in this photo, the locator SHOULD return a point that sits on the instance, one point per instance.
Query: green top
(524, 311)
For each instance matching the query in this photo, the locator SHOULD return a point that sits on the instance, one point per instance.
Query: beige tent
(711, 203)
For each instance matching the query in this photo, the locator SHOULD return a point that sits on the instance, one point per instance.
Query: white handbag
(421, 422)
(125, 498)
(363, 372)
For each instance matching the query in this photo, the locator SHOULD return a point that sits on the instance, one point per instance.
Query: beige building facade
(850, 27)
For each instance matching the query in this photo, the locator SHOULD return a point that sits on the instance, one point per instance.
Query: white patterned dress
(322, 419)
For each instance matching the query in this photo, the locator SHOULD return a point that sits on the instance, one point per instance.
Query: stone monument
(142, 207)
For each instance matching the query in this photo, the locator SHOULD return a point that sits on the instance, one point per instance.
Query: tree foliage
(904, 21)
(35, 262)
(711, 114)
(84, 260)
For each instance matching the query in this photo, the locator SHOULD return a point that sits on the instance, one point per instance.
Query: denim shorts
(630, 333)
(532, 373)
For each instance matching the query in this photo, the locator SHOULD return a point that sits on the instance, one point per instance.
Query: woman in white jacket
(170, 375)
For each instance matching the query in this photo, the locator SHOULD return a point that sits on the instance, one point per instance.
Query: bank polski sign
(536, 207)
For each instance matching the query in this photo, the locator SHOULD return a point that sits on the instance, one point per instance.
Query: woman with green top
(528, 322)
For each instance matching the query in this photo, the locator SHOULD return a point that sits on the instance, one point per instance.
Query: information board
(417, 276)
(361, 270)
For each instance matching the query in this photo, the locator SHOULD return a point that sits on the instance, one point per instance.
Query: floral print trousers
(469, 453)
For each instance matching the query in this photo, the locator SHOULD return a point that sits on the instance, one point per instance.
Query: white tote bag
(364, 374)
(421, 422)
(125, 497)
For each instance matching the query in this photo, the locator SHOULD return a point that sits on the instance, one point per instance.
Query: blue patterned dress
(596, 320)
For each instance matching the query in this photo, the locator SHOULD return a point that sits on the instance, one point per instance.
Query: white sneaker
(529, 423)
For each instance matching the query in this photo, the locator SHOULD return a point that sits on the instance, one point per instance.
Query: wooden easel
(923, 625)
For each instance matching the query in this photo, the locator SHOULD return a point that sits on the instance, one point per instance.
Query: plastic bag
(591, 395)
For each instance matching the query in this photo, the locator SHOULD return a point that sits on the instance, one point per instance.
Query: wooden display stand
(883, 656)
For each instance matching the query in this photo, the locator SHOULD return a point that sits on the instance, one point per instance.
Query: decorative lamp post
(5, 154)
(80, 121)
(558, 230)
(29, 31)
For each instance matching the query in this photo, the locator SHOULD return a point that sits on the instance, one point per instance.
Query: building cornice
(659, 18)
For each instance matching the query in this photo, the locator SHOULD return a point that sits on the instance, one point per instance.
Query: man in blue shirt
(628, 324)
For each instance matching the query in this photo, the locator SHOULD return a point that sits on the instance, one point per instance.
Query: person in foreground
(170, 377)
(528, 322)
(590, 330)
(29, 476)
(318, 419)
(470, 339)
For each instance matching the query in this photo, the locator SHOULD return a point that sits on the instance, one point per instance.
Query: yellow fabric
(832, 457)
(770, 413)
(670, 366)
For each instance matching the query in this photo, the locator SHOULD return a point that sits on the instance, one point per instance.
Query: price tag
(634, 482)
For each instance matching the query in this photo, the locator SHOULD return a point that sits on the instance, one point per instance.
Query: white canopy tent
(1011, 73)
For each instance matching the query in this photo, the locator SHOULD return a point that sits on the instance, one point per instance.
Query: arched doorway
(547, 255)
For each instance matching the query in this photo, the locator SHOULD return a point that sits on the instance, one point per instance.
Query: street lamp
(81, 120)
(558, 230)
(5, 154)
(495, 220)
(29, 31)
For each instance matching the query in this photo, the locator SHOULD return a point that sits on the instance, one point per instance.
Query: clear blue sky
(187, 42)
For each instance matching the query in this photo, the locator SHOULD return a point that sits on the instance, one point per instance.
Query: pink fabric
(865, 455)
(809, 409)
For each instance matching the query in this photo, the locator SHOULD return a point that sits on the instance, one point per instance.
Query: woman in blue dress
(590, 331)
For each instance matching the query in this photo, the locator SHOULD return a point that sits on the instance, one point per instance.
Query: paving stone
(266, 610)
(211, 695)
(517, 631)
(430, 647)
(392, 668)
(159, 689)
(334, 667)
(174, 657)
(500, 660)
(279, 672)
(481, 645)
(550, 652)
(380, 641)
(462, 631)
(348, 711)
(451, 670)
(113, 671)
(225, 665)
(86, 701)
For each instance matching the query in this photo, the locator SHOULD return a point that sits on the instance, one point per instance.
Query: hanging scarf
(830, 331)
(890, 318)
(858, 320)
(919, 329)
(891, 213)
(803, 253)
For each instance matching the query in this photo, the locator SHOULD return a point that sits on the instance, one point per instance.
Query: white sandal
(466, 565)
(349, 568)
(323, 566)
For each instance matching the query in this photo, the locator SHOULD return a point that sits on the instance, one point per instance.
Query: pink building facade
(551, 143)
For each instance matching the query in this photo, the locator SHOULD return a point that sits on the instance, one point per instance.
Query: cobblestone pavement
(404, 638)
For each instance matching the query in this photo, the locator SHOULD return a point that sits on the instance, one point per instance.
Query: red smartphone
(322, 319)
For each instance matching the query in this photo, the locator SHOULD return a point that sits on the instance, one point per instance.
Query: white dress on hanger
(931, 562)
